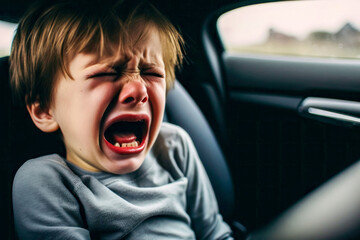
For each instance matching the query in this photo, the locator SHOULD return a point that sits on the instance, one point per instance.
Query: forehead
(144, 39)
(143, 45)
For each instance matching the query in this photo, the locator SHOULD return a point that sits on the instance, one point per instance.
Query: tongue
(124, 137)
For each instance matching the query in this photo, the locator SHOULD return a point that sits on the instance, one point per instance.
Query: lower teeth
(131, 144)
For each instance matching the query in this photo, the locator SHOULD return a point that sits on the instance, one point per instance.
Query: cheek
(82, 110)
(157, 100)
(97, 93)
(93, 106)
(157, 96)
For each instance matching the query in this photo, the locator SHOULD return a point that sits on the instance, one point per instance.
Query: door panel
(295, 74)
(279, 151)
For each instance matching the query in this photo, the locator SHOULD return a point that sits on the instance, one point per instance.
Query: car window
(303, 28)
(7, 31)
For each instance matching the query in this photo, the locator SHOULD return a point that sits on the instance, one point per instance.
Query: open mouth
(127, 135)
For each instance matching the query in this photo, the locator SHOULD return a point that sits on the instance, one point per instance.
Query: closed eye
(154, 74)
(104, 74)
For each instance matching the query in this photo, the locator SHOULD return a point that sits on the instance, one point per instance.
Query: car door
(292, 118)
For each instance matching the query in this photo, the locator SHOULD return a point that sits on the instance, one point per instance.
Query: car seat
(21, 140)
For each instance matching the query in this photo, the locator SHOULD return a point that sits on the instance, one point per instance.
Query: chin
(125, 166)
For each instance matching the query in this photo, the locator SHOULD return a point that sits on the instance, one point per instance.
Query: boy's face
(110, 116)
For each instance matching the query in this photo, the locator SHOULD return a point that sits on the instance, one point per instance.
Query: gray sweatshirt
(168, 197)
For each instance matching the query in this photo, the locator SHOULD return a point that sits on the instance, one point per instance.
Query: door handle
(334, 111)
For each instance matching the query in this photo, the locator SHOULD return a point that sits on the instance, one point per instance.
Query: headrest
(20, 136)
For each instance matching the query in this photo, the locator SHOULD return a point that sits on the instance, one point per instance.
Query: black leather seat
(21, 140)
(183, 111)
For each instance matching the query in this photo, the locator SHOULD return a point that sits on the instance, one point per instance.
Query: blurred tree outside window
(7, 31)
(314, 28)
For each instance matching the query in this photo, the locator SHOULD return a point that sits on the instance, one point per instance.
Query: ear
(42, 118)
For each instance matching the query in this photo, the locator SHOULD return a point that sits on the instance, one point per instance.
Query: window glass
(7, 31)
(315, 28)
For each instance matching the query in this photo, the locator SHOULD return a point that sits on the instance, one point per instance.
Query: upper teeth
(131, 144)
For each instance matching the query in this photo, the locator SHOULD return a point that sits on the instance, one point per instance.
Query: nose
(133, 92)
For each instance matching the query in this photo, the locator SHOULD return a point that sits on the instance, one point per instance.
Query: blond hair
(49, 34)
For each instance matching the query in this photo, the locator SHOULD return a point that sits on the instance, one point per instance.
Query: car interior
(179, 106)
(270, 129)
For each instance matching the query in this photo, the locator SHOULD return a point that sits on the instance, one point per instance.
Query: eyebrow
(106, 65)
(147, 65)
(105, 69)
